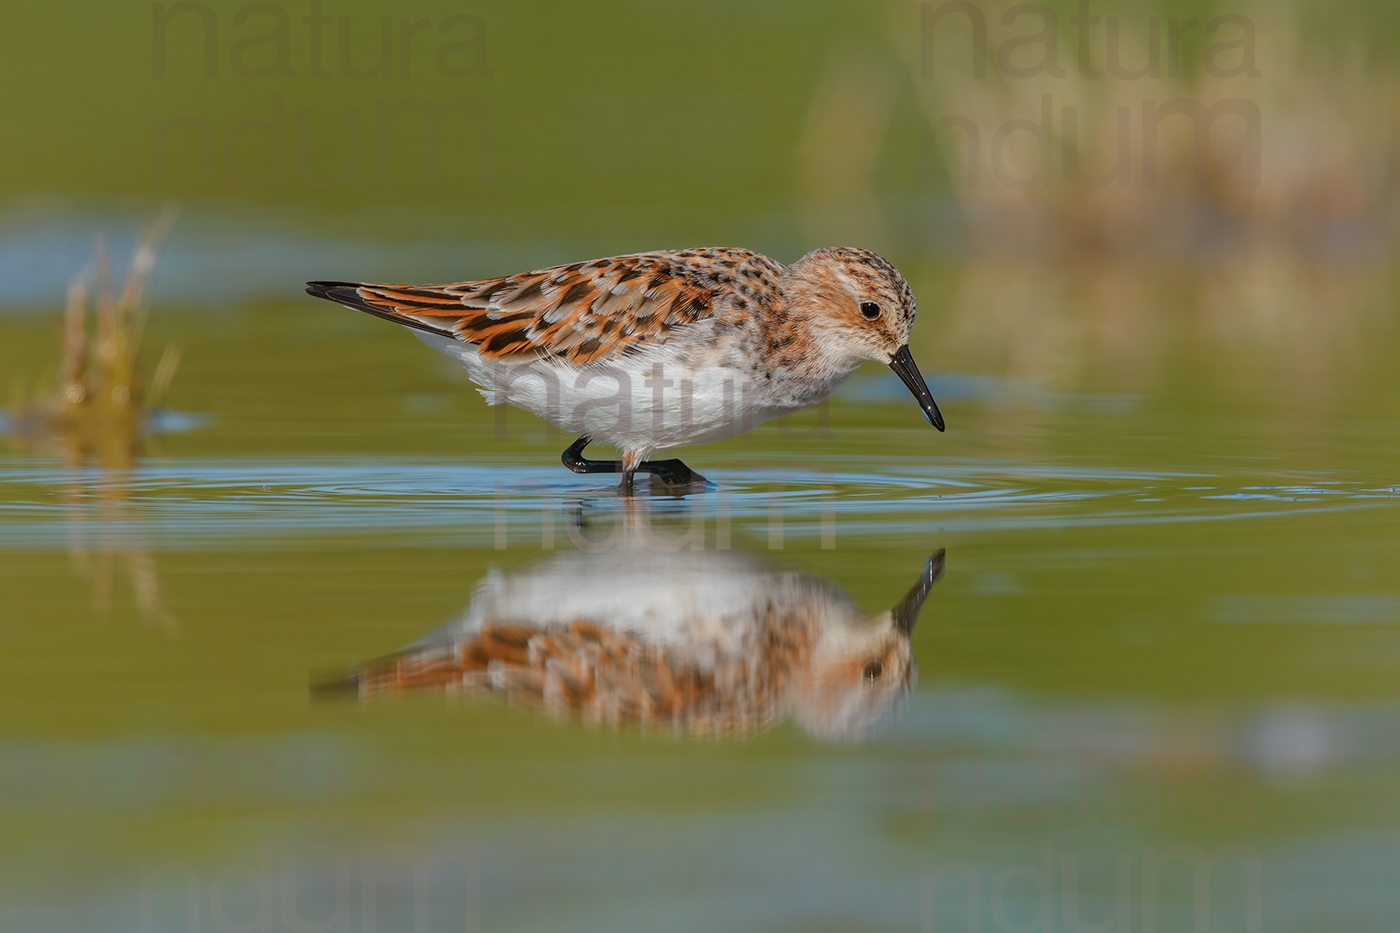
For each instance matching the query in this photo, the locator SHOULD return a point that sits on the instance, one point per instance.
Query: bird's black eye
(870, 309)
(873, 670)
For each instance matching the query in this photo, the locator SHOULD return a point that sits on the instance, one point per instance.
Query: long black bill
(904, 366)
(907, 612)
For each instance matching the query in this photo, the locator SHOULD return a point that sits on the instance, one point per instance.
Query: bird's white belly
(643, 403)
(691, 600)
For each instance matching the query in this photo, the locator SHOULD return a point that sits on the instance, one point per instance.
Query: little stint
(657, 350)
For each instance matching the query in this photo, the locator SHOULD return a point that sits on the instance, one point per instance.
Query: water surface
(1156, 629)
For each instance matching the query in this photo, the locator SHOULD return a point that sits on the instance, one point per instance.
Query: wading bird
(657, 350)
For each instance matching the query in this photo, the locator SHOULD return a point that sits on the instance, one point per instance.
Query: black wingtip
(348, 294)
(336, 687)
(323, 289)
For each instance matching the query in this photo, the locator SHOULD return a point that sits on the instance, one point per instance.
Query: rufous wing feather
(579, 313)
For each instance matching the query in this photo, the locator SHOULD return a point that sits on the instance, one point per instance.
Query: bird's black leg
(575, 460)
(670, 472)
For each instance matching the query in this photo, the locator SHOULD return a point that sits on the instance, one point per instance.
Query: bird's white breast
(663, 397)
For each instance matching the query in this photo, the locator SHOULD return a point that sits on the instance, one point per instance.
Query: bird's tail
(420, 308)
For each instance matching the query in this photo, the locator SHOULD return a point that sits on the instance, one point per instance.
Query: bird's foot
(671, 477)
(674, 477)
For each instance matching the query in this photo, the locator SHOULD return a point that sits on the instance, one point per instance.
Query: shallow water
(1156, 682)
(1162, 623)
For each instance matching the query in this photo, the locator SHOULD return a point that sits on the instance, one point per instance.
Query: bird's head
(859, 308)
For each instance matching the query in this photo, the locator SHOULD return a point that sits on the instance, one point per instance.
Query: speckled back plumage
(583, 312)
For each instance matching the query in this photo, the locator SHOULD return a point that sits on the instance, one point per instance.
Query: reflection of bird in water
(708, 642)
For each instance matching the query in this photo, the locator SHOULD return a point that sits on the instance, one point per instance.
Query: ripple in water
(203, 503)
